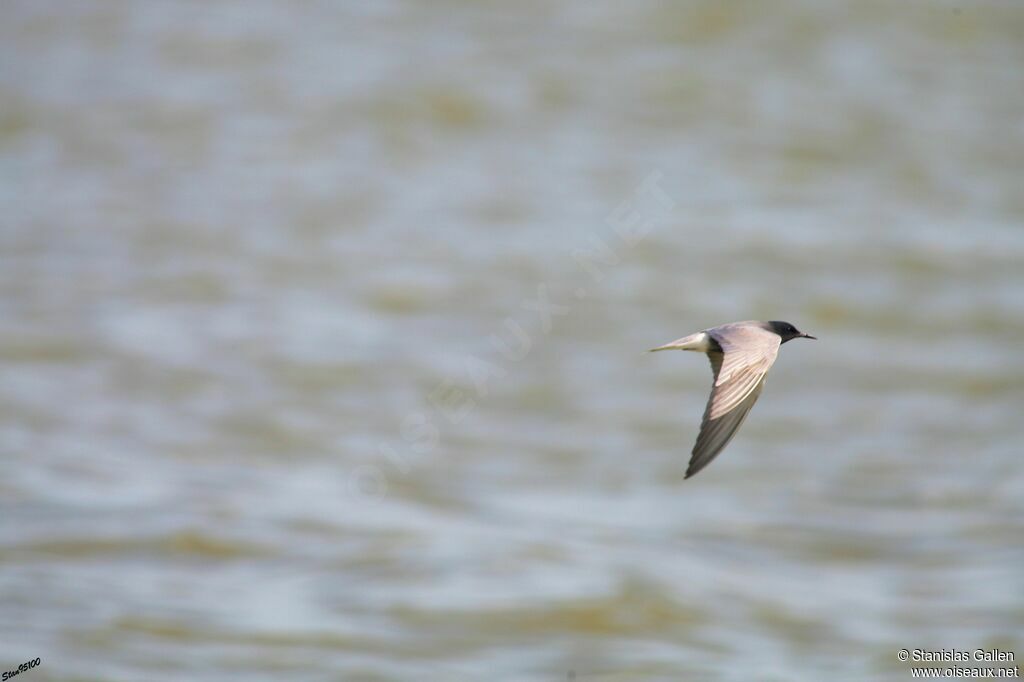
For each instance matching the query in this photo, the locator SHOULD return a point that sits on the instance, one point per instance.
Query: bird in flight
(741, 353)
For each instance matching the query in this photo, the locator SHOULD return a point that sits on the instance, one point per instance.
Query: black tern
(741, 354)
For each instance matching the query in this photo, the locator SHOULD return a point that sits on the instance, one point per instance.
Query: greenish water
(322, 333)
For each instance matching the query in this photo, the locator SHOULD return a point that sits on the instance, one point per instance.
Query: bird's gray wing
(739, 372)
(748, 352)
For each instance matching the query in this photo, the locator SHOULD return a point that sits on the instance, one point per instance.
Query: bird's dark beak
(807, 336)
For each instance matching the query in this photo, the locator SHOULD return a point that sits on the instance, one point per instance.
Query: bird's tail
(697, 342)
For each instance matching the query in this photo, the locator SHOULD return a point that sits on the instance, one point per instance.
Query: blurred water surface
(252, 252)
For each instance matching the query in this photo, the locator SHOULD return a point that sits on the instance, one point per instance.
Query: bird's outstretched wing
(739, 369)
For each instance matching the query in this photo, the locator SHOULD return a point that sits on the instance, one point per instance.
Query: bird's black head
(787, 331)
